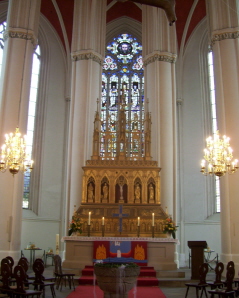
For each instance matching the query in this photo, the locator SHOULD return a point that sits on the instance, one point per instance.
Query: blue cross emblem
(120, 215)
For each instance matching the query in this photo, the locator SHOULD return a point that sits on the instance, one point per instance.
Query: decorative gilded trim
(21, 35)
(160, 56)
(224, 35)
(87, 55)
(122, 163)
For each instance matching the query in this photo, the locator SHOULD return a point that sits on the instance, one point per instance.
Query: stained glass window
(122, 102)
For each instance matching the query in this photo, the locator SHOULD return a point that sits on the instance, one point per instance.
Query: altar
(79, 251)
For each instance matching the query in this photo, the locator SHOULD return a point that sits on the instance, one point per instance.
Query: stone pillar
(20, 40)
(88, 47)
(159, 54)
(224, 34)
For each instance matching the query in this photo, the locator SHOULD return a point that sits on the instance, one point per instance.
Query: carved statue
(105, 191)
(151, 192)
(167, 5)
(137, 192)
(90, 192)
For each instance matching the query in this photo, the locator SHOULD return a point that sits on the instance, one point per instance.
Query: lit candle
(103, 221)
(153, 219)
(89, 218)
(138, 221)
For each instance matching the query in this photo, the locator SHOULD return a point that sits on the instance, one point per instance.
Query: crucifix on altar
(120, 215)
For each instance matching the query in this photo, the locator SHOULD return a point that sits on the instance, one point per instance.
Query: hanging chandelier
(218, 158)
(13, 154)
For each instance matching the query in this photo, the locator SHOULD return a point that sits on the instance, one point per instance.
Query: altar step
(147, 277)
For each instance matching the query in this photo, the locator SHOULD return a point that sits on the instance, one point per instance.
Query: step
(144, 271)
(141, 281)
(147, 276)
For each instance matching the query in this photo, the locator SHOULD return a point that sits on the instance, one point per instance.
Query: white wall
(194, 198)
(42, 227)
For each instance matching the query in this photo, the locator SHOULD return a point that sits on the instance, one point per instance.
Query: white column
(87, 54)
(224, 31)
(22, 29)
(159, 51)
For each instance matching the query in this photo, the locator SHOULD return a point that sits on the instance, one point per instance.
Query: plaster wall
(42, 227)
(197, 222)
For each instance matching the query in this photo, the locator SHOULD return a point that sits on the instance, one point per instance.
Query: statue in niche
(151, 192)
(90, 192)
(137, 192)
(105, 192)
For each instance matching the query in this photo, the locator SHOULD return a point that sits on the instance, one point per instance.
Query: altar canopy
(120, 252)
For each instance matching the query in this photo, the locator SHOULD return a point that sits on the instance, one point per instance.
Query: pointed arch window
(214, 121)
(31, 121)
(122, 100)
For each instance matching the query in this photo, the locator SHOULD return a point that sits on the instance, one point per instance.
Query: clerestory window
(214, 121)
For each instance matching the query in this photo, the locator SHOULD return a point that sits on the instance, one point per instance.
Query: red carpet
(95, 292)
(147, 277)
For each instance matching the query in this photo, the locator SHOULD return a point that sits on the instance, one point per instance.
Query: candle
(57, 239)
(103, 221)
(153, 219)
(138, 221)
(57, 244)
(89, 218)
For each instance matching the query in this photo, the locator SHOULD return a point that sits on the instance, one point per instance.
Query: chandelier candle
(218, 158)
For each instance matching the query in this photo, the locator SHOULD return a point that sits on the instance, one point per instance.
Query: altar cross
(120, 215)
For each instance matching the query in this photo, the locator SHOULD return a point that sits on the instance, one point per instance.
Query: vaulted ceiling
(185, 12)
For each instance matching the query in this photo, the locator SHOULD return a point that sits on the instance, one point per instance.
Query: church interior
(124, 105)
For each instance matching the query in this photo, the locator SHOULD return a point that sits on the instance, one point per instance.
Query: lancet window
(122, 115)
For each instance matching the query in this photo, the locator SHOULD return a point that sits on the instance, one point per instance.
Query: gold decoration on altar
(139, 253)
(101, 252)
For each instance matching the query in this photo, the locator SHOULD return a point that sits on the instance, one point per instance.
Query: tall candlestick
(103, 221)
(138, 221)
(153, 219)
(89, 218)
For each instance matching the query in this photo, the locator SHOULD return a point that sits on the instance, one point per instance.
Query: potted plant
(75, 226)
(169, 227)
(116, 279)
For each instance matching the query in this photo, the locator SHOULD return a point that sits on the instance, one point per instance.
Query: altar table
(79, 251)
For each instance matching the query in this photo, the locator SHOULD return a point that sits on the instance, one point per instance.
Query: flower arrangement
(169, 227)
(75, 225)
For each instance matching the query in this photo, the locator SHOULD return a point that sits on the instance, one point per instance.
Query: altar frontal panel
(120, 252)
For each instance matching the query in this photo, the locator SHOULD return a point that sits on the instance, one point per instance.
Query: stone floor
(171, 287)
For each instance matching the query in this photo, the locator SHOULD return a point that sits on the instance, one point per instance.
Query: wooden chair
(201, 286)
(6, 274)
(11, 263)
(39, 281)
(62, 276)
(21, 291)
(218, 283)
(228, 291)
(25, 264)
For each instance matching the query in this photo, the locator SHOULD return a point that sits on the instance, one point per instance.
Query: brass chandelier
(218, 158)
(14, 154)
